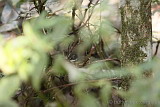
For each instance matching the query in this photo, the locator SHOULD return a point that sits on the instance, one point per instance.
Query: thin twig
(157, 48)
(72, 84)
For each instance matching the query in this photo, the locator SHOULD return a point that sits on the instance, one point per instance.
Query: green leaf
(8, 104)
(105, 92)
(75, 74)
(58, 67)
(38, 71)
(87, 100)
(8, 86)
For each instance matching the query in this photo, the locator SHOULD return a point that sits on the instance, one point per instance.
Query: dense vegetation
(67, 54)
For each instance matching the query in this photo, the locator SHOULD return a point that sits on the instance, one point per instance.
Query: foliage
(71, 59)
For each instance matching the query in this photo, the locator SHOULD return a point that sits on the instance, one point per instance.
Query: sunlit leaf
(36, 38)
(74, 73)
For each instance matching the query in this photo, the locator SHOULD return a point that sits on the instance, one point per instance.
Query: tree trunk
(136, 37)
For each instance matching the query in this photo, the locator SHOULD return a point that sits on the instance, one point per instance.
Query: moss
(136, 33)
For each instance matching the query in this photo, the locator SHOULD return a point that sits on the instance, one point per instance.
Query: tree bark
(136, 37)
